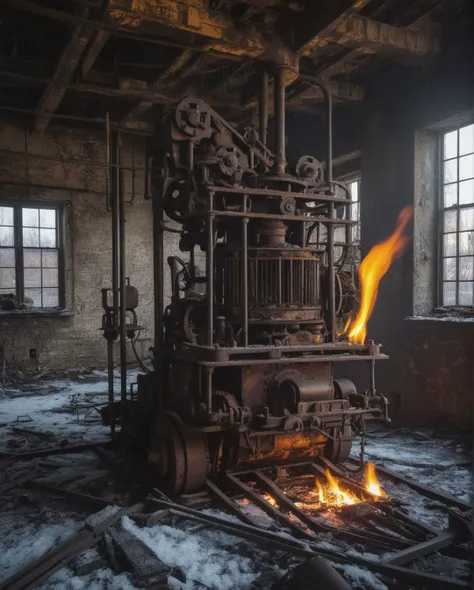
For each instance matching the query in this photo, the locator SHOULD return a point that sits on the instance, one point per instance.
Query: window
(30, 255)
(457, 223)
(352, 183)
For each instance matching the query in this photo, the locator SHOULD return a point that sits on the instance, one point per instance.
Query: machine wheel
(338, 450)
(178, 456)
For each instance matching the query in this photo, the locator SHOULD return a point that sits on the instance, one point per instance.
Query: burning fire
(372, 269)
(341, 498)
(330, 494)
(371, 482)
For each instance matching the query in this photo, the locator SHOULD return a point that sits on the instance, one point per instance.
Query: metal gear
(193, 117)
(310, 170)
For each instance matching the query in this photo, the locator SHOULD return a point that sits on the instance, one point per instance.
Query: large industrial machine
(245, 351)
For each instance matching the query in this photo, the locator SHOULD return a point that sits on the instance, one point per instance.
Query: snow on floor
(209, 558)
(52, 412)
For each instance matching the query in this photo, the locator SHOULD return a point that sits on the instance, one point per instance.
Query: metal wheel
(338, 450)
(178, 456)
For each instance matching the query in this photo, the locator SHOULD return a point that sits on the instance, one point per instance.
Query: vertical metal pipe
(114, 188)
(107, 160)
(279, 118)
(110, 379)
(123, 301)
(263, 108)
(244, 280)
(330, 226)
(208, 385)
(210, 273)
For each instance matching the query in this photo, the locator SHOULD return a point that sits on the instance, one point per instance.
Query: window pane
(466, 219)
(449, 269)
(7, 278)
(50, 277)
(6, 236)
(466, 140)
(466, 269)
(451, 145)
(450, 221)
(30, 237)
(450, 171)
(30, 217)
(48, 218)
(449, 245)
(33, 297)
(450, 195)
(31, 258)
(50, 259)
(355, 211)
(466, 243)
(32, 277)
(354, 190)
(7, 257)
(465, 293)
(449, 293)
(466, 167)
(466, 192)
(6, 215)
(50, 298)
(48, 238)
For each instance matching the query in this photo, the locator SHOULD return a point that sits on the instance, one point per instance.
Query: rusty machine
(245, 351)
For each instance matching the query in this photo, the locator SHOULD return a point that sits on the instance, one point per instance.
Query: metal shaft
(123, 302)
(263, 108)
(279, 118)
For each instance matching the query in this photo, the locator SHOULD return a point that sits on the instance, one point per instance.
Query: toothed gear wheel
(310, 170)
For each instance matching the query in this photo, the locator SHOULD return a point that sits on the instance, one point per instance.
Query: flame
(372, 484)
(321, 493)
(372, 269)
(341, 497)
(270, 499)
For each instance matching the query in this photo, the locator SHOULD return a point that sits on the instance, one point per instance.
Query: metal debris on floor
(76, 514)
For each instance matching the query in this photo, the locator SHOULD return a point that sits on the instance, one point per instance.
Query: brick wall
(75, 340)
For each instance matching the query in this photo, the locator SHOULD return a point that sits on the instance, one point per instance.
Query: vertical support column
(123, 297)
(279, 115)
(245, 277)
(263, 108)
(331, 216)
(210, 272)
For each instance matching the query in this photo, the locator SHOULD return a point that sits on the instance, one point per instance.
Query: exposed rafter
(92, 52)
(63, 74)
(377, 37)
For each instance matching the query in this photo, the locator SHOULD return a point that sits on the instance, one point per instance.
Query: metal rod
(110, 383)
(123, 295)
(245, 278)
(114, 187)
(279, 119)
(107, 162)
(329, 226)
(263, 108)
(208, 384)
(210, 273)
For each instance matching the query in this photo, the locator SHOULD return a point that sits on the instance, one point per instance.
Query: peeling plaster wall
(76, 340)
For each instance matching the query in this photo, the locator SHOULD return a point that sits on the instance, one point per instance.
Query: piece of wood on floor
(146, 566)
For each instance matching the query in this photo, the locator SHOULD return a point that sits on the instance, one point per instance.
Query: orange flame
(372, 484)
(270, 499)
(372, 269)
(341, 497)
(321, 493)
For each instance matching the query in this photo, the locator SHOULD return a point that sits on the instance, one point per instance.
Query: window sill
(29, 313)
(448, 316)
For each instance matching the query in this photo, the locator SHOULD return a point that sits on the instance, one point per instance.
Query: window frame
(441, 218)
(19, 289)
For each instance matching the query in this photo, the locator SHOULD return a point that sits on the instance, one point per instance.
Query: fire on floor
(75, 514)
